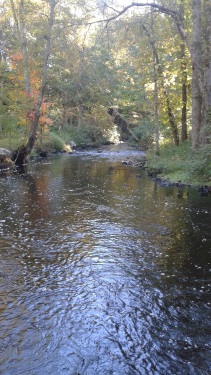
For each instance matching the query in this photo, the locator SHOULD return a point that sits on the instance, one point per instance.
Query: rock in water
(5, 152)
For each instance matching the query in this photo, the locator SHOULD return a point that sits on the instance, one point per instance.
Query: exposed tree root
(20, 155)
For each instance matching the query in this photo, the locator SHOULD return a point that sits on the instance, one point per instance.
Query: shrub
(88, 135)
(51, 142)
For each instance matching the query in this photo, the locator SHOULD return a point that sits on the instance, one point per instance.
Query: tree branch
(174, 14)
(133, 4)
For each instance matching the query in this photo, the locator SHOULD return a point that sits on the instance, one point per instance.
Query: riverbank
(174, 165)
(181, 163)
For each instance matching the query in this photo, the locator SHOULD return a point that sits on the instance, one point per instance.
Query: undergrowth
(181, 163)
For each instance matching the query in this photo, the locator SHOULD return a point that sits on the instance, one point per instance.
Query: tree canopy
(64, 64)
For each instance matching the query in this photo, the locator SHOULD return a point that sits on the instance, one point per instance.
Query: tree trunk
(201, 75)
(22, 40)
(1, 88)
(206, 133)
(22, 153)
(184, 134)
(122, 123)
(196, 65)
(158, 71)
(183, 68)
(80, 87)
(156, 106)
(172, 122)
(80, 115)
(155, 78)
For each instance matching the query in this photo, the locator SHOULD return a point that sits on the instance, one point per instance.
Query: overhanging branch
(133, 4)
(160, 8)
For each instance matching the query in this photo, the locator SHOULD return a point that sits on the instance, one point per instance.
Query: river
(103, 271)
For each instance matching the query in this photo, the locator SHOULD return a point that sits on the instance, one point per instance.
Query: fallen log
(122, 124)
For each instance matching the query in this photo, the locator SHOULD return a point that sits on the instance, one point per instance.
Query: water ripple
(100, 274)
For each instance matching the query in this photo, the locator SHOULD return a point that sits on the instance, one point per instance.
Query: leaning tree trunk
(122, 123)
(23, 152)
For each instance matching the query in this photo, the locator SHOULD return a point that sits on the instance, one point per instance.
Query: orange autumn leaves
(22, 103)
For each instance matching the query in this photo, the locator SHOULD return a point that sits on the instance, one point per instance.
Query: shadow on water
(102, 271)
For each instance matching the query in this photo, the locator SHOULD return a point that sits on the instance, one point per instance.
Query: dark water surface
(102, 271)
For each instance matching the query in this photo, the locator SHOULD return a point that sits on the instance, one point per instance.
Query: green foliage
(57, 142)
(181, 163)
(11, 136)
(145, 134)
(93, 129)
(199, 163)
(91, 70)
(89, 135)
(12, 142)
(49, 143)
(62, 140)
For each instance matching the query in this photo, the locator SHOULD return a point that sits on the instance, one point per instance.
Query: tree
(197, 80)
(23, 152)
(158, 70)
(200, 59)
(22, 40)
(69, 59)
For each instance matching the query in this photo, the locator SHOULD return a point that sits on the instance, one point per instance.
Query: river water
(102, 271)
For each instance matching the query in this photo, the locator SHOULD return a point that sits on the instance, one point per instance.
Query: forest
(86, 73)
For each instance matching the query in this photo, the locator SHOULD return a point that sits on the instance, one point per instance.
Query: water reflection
(102, 272)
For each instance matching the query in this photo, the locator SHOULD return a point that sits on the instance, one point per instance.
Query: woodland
(86, 73)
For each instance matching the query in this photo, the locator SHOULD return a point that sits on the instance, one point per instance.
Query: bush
(199, 163)
(56, 142)
(51, 142)
(89, 135)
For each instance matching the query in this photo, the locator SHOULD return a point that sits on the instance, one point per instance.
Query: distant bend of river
(102, 271)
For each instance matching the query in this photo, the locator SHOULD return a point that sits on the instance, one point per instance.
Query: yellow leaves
(22, 121)
(35, 81)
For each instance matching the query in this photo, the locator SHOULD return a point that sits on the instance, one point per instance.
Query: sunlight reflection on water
(102, 272)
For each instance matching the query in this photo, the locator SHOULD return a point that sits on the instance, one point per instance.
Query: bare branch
(133, 4)
(156, 6)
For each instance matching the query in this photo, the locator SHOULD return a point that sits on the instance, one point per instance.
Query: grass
(182, 163)
(12, 142)
(56, 140)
